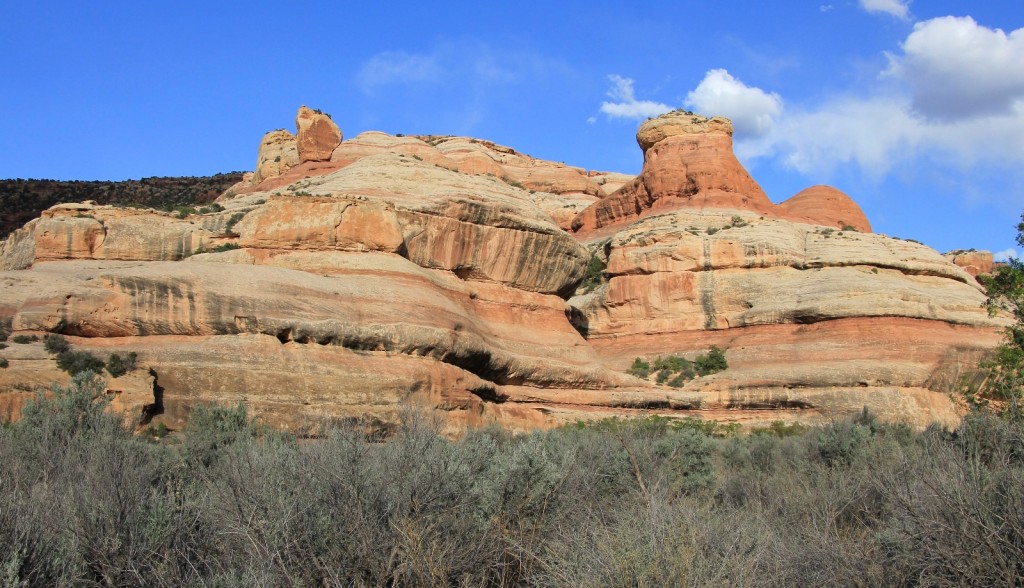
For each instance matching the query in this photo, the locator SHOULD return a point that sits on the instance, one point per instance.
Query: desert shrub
(232, 221)
(840, 443)
(640, 368)
(211, 428)
(678, 381)
(184, 211)
(24, 339)
(594, 275)
(76, 362)
(621, 502)
(711, 363)
(4, 364)
(6, 327)
(781, 429)
(118, 366)
(663, 376)
(225, 247)
(55, 344)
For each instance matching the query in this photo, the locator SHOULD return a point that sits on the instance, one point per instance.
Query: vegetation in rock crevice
(676, 371)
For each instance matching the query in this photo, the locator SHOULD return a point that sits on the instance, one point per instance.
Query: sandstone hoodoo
(317, 135)
(345, 276)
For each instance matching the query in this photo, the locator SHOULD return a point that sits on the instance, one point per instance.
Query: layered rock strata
(345, 277)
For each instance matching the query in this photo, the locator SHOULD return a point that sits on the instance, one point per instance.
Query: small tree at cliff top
(1005, 371)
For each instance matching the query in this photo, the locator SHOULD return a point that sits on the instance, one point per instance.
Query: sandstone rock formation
(689, 164)
(316, 135)
(278, 153)
(973, 262)
(349, 276)
(824, 205)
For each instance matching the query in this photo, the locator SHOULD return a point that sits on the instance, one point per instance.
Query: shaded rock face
(348, 277)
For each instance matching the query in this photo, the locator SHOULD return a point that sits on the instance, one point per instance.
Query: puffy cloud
(626, 105)
(752, 110)
(1005, 254)
(397, 67)
(957, 68)
(898, 8)
(958, 102)
(880, 133)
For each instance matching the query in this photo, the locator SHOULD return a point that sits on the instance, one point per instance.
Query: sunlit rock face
(344, 278)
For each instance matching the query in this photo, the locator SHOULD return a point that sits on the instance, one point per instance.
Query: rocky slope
(342, 277)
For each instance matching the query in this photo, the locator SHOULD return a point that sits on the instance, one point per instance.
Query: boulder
(316, 135)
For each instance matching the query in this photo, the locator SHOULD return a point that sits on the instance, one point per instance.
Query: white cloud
(752, 110)
(957, 68)
(898, 8)
(934, 112)
(882, 133)
(398, 67)
(626, 105)
(1005, 254)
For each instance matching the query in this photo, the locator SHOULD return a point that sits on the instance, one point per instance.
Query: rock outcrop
(316, 135)
(278, 153)
(347, 276)
(689, 164)
(973, 262)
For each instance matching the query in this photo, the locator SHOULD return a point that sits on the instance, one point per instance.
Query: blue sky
(915, 109)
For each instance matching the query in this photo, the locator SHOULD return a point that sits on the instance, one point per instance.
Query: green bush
(225, 247)
(4, 363)
(640, 368)
(118, 366)
(711, 363)
(24, 339)
(55, 344)
(77, 362)
(663, 375)
(594, 275)
(232, 221)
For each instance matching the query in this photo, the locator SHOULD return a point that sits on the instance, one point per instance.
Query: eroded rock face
(689, 164)
(350, 276)
(278, 153)
(975, 263)
(316, 135)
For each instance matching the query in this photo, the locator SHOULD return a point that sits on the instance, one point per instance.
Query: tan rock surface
(278, 153)
(434, 268)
